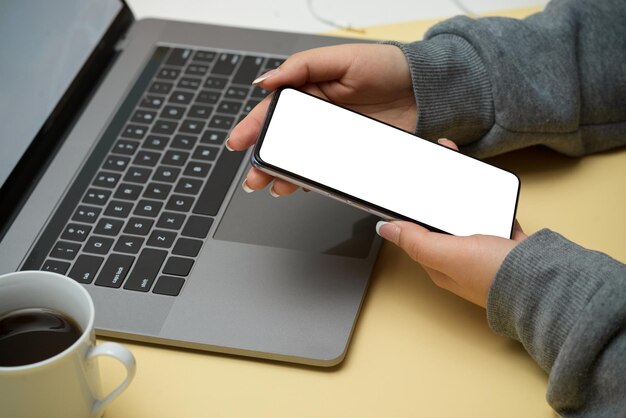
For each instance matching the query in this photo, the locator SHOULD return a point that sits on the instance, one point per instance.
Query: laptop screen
(43, 46)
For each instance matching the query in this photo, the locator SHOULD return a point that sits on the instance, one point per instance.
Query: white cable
(466, 10)
(334, 23)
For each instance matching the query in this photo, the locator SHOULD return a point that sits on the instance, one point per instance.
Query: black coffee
(35, 334)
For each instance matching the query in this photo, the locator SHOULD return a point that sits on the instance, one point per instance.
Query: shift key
(146, 270)
(115, 270)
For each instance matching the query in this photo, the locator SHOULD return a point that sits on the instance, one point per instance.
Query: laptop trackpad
(302, 221)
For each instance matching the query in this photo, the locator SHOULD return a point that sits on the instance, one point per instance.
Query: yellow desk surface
(417, 351)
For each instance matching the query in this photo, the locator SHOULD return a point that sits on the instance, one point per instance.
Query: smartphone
(382, 169)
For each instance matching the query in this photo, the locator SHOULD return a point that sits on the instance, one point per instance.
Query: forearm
(567, 305)
(557, 78)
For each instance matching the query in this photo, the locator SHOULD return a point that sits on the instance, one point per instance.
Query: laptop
(114, 172)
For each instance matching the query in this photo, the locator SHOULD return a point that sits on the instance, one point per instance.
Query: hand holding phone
(382, 169)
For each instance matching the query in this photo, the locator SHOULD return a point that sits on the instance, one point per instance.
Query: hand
(368, 78)
(466, 266)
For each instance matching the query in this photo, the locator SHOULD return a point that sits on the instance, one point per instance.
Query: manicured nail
(246, 188)
(265, 76)
(273, 193)
(227, 145)
(388, 231)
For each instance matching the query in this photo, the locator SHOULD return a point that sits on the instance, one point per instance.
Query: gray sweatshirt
(557, 78)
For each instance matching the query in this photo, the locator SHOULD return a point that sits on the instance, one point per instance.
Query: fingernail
(273, 193)
(265, 76)
(388, 231)
(441, 140)
(227, 145)
(245, 187)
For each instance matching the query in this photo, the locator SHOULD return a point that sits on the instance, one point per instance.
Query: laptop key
(226, 63)
(237, 93)
(179, 203)
(128, 244)
(172, 112)
(116, 163)
(184, 141)
(197, 226)
(65, 250)
(149, 208)
(218, 184)
(190, 83)
(87, 214)
(107, 226)
(229, 107)
(157, 191)
(205, 153)
(98, 245)
(166, 127)
(85, 268)
(178, 57)
(104, 179)
(155, 142)
(208, 97)
(188, 186)
(216, 83)
(146, 158)
(222, 122)
(118, 209)
(137, 174)
(187, 246)
(175, 157)
(169, 285)
(97, 196)
(166, 174)
(171, 220)
(128, 191)
(181, 97)
(76, 232)
(200, 111)
(161, 87)
(125, 147)
(248, 71)
(138, 226)
(163, 239)
(178, 266)
(115, 270)
(134, 131)
(152, 102)
(197, 169)
(197, 69)
(204, 56)
(146, 269)
(144, 116)
(192, 126)
(213, 137)
(55, 266)
(168, 73)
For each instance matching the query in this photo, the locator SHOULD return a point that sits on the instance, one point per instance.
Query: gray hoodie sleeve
(556, 78)
(567, 305)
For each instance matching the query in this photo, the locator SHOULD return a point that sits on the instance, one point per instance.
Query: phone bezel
(325, 190)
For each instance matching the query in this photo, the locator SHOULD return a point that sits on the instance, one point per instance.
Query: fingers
(246, 132)
(311, 66)
(470, 262)
(448, 143)
(257, 180)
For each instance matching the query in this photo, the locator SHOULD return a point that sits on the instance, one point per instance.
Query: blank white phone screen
(389, 167)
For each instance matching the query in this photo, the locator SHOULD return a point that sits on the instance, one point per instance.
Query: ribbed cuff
(452, 89)
(540, 291)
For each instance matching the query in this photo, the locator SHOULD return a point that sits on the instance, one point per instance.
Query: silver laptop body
(280, 279)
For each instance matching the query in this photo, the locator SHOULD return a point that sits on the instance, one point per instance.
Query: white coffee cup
(66, 385)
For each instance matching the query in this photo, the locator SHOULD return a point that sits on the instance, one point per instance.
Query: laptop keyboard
(141, 208)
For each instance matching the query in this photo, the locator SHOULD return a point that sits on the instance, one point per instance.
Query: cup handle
(122, 354)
